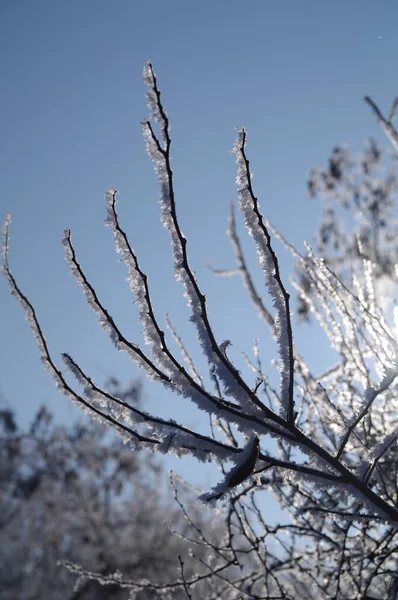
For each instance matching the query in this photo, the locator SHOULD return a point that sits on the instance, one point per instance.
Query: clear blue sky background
(293, 73)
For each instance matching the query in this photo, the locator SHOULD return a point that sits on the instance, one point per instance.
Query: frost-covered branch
(325, 445)
(243, 270)
(270, 265)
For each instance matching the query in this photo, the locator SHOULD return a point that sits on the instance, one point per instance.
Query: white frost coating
(370, 300)
(335, 339)
(382, 447)
(372, 393)
(185, 354)
(29, 312)
(153, 105)
(242, 470)
(343, 490)
(45, 356)
(104, 320)
(354, 324)
(151, 330)
(227, 374)
(346, 306)
(115, 578)
(137, 285)
(171, 437)
(5, 246)
(180, 382)
(267, 264)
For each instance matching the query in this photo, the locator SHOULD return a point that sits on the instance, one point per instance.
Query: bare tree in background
(358, 196)
(325, 444)
(77, 493)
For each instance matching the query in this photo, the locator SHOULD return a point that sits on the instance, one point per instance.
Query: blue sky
(293, 73)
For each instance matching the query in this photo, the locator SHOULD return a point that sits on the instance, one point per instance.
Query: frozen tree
(325, 444)
(78, 494)
(358, 196)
